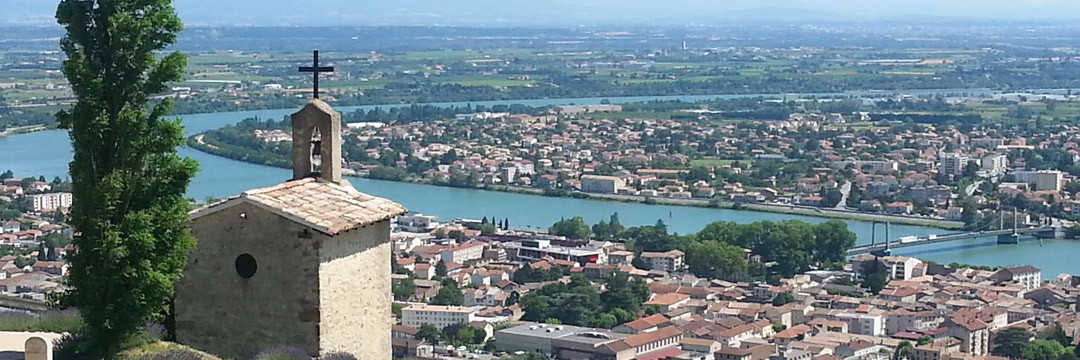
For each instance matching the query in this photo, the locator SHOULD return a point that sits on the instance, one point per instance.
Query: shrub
(338, 356)
(156, 330)
(75, 346)
(283, 353)
(57, 321)
(174, 355)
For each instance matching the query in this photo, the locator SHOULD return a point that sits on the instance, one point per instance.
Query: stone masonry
(303, 263)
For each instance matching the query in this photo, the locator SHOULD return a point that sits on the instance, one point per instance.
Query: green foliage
(608, 230)
(527, 275)
(577, 303)
(440, 269)
(388, 173)
(395, 308)
(876, 281)
(448, 295)
(127, 180)
(925, 339)
(488, 229)
(574, 228)
(24, 261)
(716, 260)
(50, 321)
(1010, 342)
(429, 333)
(404, 289)
(1054, 332)
(794, 245)
(831, 198)
(783, 299)
(1043, 350)
(904, 351)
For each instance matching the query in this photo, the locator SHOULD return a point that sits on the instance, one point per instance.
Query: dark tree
(127, 180)
(1010, 342)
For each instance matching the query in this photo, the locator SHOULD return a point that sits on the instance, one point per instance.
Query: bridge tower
(1014, 237)
(873, 232)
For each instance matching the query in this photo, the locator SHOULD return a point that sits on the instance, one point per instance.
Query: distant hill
(530, 13)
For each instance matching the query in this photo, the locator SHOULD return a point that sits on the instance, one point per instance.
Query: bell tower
(317, 115)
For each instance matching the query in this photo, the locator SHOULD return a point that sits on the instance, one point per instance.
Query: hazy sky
(572, 12)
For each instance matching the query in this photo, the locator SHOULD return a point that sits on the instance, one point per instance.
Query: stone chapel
(304, 263)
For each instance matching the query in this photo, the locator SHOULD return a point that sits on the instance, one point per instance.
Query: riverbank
(197, 142)
(18, 130)
(783, 209)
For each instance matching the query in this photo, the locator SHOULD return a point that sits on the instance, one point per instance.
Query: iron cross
(315, 70)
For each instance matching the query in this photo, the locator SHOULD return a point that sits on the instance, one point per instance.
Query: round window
(246, 266)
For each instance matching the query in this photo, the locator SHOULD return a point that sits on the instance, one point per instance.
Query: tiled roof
(324, 206)
(667, 299)
(647, 322)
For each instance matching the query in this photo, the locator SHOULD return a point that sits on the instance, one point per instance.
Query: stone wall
(355, 292)
(220, 312)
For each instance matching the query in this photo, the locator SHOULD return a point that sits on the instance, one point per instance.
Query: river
(48, 153)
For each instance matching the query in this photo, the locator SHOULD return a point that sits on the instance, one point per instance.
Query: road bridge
(1006, 236)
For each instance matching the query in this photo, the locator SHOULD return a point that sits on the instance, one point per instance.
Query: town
(860, 162)
(470, 288)
(523, 180)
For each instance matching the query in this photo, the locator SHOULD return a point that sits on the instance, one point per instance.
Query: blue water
(48, 153)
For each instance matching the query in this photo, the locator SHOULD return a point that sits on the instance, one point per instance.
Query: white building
(439, 316)
(900, 267)
(463, 252)
(670, 261)
(416, 222)
(1042, 180)
(995, 164)
(50, 201)
(11, 227)
(601, 184)
(954, 163)
(863, 324)
(1028, 276)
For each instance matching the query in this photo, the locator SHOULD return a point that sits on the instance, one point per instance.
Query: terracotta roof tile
(327, 207)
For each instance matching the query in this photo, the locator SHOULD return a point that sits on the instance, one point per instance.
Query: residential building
(416, 222)
(670, 261)
(974, 334)
(601, 184)
(953, 163)
(749, 352)
(900, 267)
(1028, 276)
(620, 257)
(49, 201)
(439, 316)
(995, 164)
(668, 302)
(863, 324)
(643, 325)
(1041, 180)
(11, 226)
(461, 253)
(940, 349)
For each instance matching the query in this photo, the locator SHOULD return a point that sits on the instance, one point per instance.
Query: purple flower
(283, 353)
(156, 330)
(174, 355)
(337, 356)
